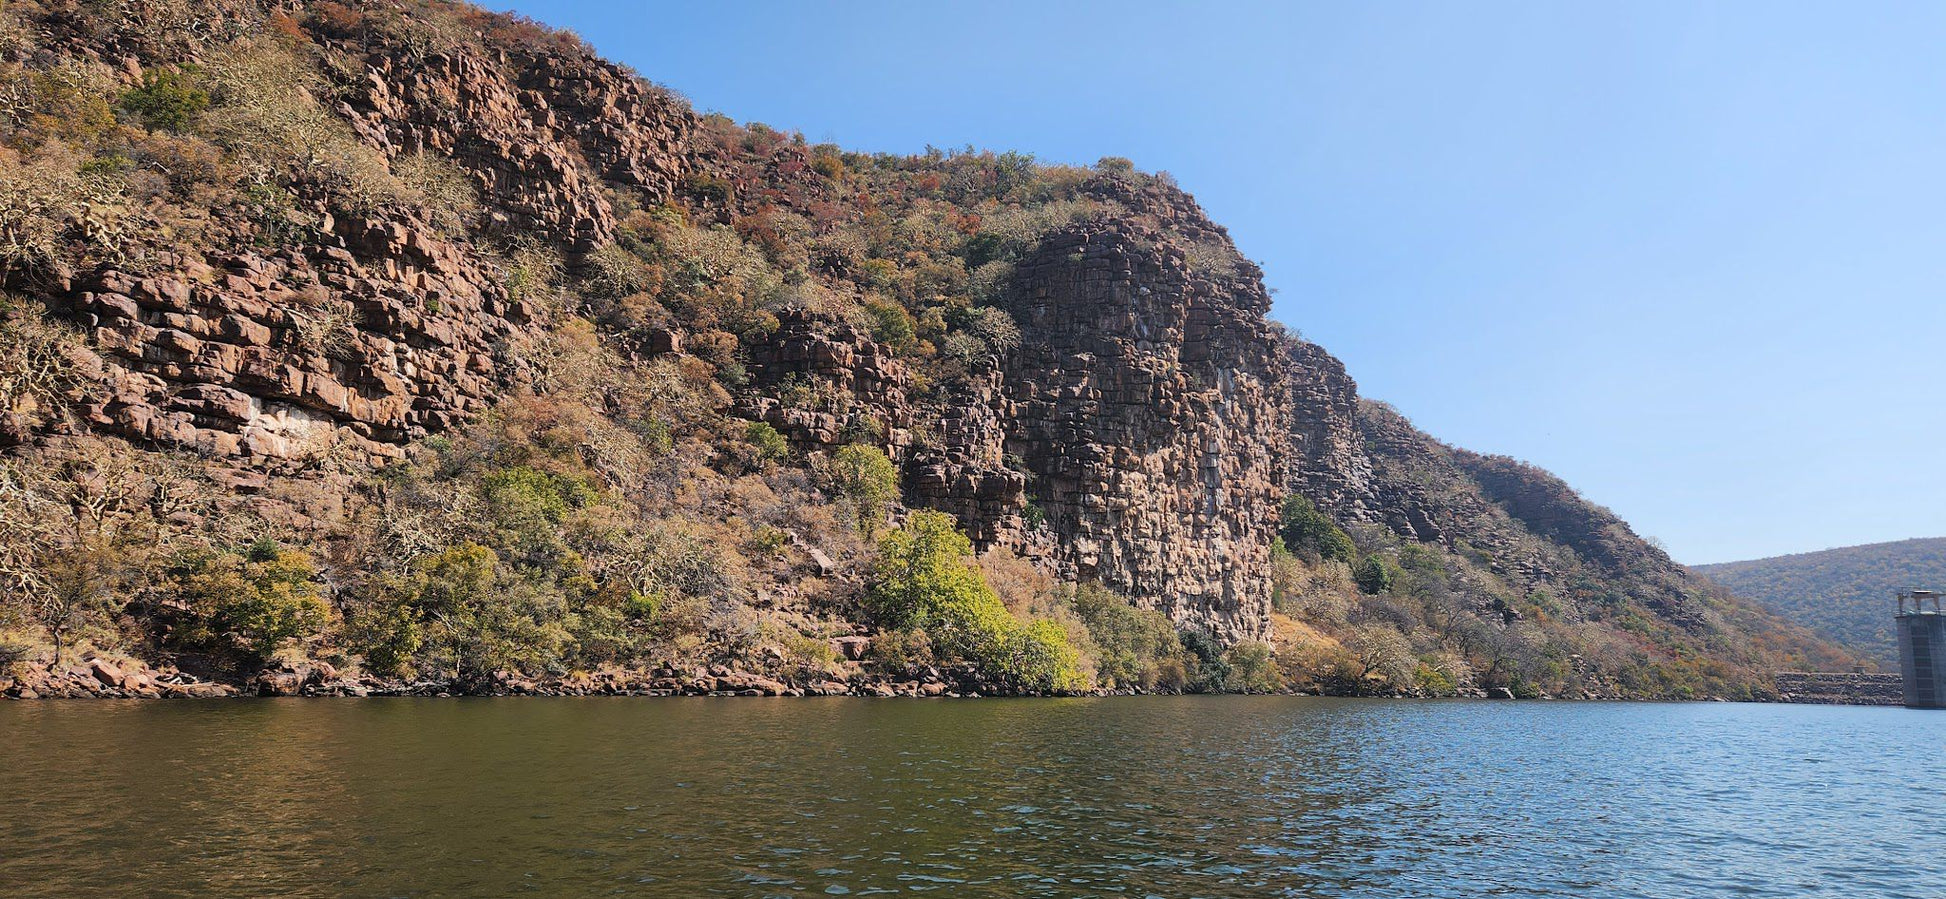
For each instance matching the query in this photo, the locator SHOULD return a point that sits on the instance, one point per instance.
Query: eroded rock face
(824, 384)
(1135, 437)
(541, 142)
(1146, 401)
(1327, 461)
(377, 333)
(367, 331)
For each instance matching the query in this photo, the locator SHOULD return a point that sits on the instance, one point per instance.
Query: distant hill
(1845, 593)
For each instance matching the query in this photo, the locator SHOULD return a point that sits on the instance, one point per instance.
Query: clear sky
(1690, 256)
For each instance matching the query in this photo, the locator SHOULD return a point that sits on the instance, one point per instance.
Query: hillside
(374, 345)
(1844, 594)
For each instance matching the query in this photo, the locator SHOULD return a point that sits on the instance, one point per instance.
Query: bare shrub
(83, 534)
(266, 112)
(534, 272)
(50, 209)
(445, 192)
(38, 375)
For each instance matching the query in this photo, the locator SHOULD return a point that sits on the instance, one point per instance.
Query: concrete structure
(1840, 688)
(1922, 649)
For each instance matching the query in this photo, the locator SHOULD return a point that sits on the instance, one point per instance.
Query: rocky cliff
(266, 341)
(318, 242)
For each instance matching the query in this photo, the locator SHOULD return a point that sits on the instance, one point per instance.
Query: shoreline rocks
(99, 677)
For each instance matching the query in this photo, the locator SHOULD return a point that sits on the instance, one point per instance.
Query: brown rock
(852, 648)
(105, 671)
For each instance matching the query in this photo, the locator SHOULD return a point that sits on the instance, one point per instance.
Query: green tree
(768, 446)
(263, 597)
(169, 99)
(522, 494)
(1252, 668)
(891, 324)
(924, 578)
(1305, 527)
(479, 619)
(384, 626)
(869, 480)
(1130, 645)
(1375, 575)
(1038, 658)
(1210, 670)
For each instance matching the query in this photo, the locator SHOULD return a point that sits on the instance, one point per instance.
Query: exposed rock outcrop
(376, 333)
(366, 331)
(542, 136)
(1327, 460)
(1146, 402)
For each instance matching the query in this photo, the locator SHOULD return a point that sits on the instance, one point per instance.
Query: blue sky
(1691, 257)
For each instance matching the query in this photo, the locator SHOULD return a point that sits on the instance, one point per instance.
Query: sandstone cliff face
(543, 136)
(1327, 461)
(374, 335)
(823, 383)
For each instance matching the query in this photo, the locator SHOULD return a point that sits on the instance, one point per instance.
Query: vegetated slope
(1845, 594)
(1487, 557)
(407, 342)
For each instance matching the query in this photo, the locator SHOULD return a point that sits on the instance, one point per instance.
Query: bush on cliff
(168, 99)
(767, 447)
(257, 599)
(38, 374)
(1132, 647)
(523, 496)
(1376, 575)
(925, 579)
(866, 479)
(1304, 528)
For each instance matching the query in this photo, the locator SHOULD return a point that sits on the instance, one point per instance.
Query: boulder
(105, 671)
(852, 648)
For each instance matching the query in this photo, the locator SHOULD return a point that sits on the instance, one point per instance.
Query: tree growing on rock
(1304, 528)
(263, 597)
(868, 480)
(1376, 575)
(925, 579)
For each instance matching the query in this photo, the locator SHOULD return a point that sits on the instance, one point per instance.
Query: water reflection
(1220, 796)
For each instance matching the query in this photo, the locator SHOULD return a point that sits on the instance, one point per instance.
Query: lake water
(1136, 797)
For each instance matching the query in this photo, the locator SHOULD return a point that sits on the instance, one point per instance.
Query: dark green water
(1217, 796)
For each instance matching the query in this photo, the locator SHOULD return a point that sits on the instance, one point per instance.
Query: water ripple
(1153, 797)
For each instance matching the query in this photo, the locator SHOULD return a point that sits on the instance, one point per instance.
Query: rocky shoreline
(100, 678)
(103, 678)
